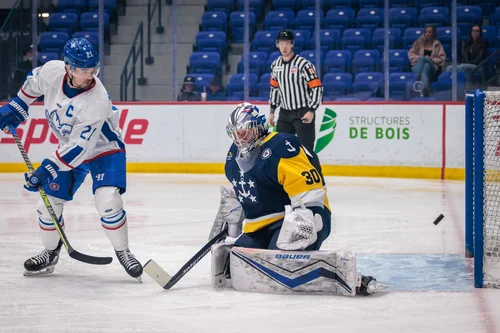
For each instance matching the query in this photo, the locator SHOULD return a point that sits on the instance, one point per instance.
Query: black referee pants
(290, 121)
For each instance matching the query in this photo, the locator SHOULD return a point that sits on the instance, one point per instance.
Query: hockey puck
(438, 219)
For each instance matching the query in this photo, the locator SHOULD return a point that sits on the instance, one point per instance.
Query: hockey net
(491, 190)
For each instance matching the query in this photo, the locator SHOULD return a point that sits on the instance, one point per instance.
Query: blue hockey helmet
(246, 117)
(79, 53)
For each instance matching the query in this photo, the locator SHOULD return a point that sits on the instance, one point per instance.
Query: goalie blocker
(282, 272)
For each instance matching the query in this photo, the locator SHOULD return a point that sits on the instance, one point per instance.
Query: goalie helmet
(247, 127)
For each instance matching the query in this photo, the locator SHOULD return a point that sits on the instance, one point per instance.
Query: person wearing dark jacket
(473, 52)
(188, 92)
(215, 91)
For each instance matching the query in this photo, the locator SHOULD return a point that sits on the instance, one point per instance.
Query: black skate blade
(90, 259)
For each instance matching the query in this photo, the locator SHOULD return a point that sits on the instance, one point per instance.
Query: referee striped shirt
(295, 85)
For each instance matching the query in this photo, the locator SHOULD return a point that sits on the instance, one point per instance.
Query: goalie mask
(247, 127)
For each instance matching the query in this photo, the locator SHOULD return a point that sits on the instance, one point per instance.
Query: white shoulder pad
(312, 272)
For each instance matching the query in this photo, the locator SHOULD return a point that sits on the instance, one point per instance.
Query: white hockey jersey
(86, 125)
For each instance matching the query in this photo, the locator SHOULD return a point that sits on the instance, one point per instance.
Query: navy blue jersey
(282, 175)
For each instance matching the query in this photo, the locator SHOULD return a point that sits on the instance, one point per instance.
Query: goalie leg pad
(221, 275)
(283, 272)
(230, 212)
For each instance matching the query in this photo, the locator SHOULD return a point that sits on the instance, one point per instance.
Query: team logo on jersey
(229, 156)
(266, 153)
(55, 122)
(54, 186)
(244, 188)
(293, 70)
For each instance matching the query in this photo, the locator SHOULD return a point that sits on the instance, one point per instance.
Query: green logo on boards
(327, 130)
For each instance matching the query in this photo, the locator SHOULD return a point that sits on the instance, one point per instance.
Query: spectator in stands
(215, 91)
(427, 57)
(474, 51)
(23, 68)
(188, 92)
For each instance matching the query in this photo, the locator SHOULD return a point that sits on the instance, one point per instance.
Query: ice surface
(388, 222)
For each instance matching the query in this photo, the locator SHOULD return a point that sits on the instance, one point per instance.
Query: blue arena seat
(444, 35)
(355, 39)
(367, 85)
(64, 22)
(401, 85)
(329, 40)
(398, 61)
(306, 20)
(371, 3)
(53, 41)
(378, 39)
(204, 63)
(337, 61)
(236, 85)
(340, 19)
(71, 6)
(370, 18)
(279, 19)
(214, 21)
(285, 5)
(302, 38)
(263, 86)
(410, 35)
(89, 21)
(311, 56)
(202, 81)
(403, 18)
(225, 6)
(490, 34)
(237, 24)
(442, 87)
(437, 16)
(211, 41)
(336, 85)
(44, 57)
(255, 6)
(467, 16)
(365, 61)
(264, 40)
(257, 63)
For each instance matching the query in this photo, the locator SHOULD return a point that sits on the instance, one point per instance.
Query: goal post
(482, 186)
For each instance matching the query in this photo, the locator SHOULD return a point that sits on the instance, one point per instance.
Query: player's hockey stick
(165, 280)
(71, 251)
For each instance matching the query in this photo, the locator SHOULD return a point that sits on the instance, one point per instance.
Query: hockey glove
(44, 174)
(299, 229)
(13, 113)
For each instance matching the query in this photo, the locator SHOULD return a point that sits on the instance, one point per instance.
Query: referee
(297, 90)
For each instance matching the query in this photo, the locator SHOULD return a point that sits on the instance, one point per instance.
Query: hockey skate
(132, 266)
(43, 263)
(369, 285)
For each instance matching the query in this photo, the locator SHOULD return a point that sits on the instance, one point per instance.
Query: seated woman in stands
(427, 57)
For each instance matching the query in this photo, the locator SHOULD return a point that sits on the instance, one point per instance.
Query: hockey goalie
(277, 214)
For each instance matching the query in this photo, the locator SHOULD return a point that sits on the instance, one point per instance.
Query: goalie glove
(230, 213)
(299, 229)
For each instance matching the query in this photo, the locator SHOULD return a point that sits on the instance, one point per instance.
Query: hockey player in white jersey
(79, 112)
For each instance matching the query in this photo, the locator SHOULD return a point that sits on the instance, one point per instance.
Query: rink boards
(392, 139)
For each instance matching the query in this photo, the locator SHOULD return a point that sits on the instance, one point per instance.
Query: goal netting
(483, 176)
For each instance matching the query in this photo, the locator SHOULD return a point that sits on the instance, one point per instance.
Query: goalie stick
(165, 280)
(71, 251)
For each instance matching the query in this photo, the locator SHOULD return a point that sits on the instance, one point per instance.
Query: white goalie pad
(283, 272)
(220, 274)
